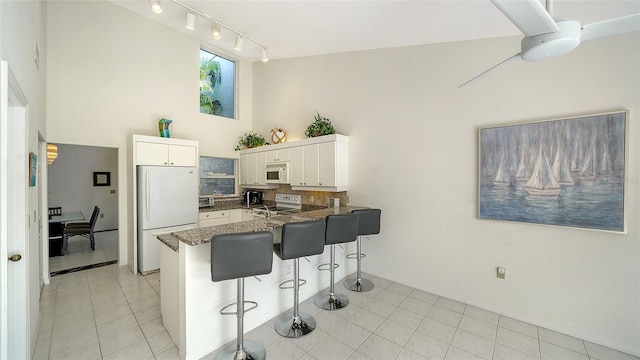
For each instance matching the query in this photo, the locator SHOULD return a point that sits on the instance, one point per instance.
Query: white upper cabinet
(278, 155)
(317, 164)
(252, 171)
(165, 152)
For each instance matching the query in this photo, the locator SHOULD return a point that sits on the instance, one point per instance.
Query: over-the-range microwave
(277, 172)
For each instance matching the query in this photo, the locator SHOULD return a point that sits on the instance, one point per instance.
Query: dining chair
(81, 229)
(94, 217)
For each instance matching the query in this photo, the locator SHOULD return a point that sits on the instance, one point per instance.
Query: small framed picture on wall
(33, 169)
(101, 179)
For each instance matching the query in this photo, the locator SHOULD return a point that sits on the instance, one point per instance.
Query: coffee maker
(252, 197)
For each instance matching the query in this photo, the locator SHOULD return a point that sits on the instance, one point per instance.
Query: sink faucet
(268, 212)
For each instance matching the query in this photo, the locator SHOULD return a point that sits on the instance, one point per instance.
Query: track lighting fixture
(156, 6)
(215, 31)
(238, 44)
(190, 21)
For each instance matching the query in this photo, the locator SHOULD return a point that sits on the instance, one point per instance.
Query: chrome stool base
(252, 351)
(290, 327)
(331, 302)
(363, 285)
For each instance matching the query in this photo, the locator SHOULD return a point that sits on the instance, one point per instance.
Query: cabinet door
(213, 222)
(247, 214)
(152, 154)
(327, 164)
(260, 175)
(311, 165)
(180, 155)
(235, 215)
(244, 169)
(296, 166)
(251, 169)
(277, 155)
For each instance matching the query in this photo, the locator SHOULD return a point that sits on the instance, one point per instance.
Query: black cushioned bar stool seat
(298, 240)
(341, 228)
(368, 224)
(236, 256)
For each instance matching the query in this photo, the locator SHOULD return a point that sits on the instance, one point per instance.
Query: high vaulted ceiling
(303, 28)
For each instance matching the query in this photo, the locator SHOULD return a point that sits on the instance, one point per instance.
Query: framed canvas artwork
(567, 172)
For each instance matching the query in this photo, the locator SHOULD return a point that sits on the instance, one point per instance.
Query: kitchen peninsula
(191, 302)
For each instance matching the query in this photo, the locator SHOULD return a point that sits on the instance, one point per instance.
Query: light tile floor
(108, 313)
(80, 253)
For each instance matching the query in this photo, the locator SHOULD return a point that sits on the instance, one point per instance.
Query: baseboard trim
(81, 268)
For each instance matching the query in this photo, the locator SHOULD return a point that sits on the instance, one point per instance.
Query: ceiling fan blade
(528, 15)
(611, 27)
(514, 57)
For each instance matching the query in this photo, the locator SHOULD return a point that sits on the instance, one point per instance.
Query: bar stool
(236, 256)
(298, 240)
(368, 224)
(341, 228)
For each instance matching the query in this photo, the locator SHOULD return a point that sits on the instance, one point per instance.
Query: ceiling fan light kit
(545, 46)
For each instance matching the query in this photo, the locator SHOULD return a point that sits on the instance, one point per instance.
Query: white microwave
(277, 173)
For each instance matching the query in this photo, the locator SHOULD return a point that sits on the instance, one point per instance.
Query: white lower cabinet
(247, 214)
(220, 217)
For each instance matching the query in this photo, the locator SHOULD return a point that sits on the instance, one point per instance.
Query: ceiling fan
(546, 38)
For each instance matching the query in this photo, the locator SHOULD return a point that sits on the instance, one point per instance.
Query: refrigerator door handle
(146, 203)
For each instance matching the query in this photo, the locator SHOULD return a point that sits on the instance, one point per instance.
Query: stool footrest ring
(224, 312)
(327, 266)
(355, 255)
(300, 283)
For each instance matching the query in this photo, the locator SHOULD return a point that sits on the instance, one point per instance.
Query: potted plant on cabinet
(250, 140)
(321, 126)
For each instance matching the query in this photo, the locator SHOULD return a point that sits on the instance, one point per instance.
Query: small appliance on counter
(252, 197)
(205, 201)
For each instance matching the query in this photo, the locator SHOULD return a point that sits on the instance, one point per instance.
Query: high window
(217, 85)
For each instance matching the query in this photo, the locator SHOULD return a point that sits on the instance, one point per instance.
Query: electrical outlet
(288, 270)
(311, 198)
(501, 273)
(101, 215)
(113, 191)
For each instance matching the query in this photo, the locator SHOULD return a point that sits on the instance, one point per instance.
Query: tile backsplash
(308, 197)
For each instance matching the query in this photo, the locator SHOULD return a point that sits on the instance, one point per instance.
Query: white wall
(113, 73)
(71, 182)
(22, 24)
(413, 153)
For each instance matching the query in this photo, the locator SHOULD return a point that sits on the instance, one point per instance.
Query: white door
(14, 334)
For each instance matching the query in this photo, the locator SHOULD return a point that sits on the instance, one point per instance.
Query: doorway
(79, 179)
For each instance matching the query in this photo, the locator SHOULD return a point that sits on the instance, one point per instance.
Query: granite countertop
(199, 236)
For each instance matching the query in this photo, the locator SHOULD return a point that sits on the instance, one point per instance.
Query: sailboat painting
(567, 172)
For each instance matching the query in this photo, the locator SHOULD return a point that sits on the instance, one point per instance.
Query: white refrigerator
(167, 202)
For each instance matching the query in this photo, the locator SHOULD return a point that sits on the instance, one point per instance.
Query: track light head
(190, 21)
(215, 31)
(156, 6)
(265, 58)
(238, 43)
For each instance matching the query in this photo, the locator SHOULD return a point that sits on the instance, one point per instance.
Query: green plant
(251, 140)
(321, 126)
(210, 75)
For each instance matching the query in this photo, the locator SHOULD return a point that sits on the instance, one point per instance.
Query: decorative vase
(163, 126)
